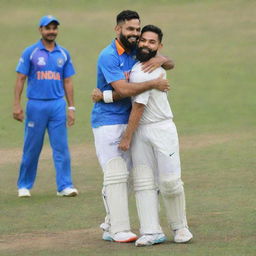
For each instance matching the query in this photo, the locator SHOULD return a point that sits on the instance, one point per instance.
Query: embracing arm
(156, 62)
(125, 89)
(98, 95)
(17, 109)
(69, 92)
(134, 119)
(167, 63)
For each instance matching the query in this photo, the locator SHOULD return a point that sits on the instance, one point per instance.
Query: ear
(160, 46)
(40, 30)
(118, 29)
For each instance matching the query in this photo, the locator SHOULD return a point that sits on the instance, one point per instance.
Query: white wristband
(108, 96)
(72, 108)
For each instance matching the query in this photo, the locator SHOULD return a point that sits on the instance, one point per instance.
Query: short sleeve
(142, 98)
(24, 63)
(68, 69)
(109, 66)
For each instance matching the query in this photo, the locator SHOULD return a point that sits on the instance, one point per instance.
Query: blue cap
(45, 20)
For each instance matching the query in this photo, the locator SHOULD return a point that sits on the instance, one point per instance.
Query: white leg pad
(116, 195)
(174, 200)
(106, 224)
(146, 200)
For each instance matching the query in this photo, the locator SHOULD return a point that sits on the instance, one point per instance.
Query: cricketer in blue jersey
(110, 116)
(48, 69)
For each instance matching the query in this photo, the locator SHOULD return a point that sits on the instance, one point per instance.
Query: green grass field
(212, 97)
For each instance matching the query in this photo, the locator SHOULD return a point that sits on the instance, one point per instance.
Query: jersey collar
(42, 47)
(119, 47)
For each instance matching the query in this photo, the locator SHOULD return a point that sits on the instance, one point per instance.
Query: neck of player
(49, 45)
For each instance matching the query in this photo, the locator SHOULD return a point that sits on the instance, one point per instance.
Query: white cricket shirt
(157, 107)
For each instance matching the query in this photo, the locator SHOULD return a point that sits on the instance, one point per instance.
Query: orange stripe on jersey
(119, 48)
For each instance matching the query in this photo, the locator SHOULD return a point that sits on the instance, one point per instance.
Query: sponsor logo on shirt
(172, 154)
(48, 75)
(41, 61)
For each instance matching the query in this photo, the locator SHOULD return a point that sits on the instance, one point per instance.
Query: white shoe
(105, 226)
(69, 192)
(150, 239)
(24, 192)
(120, 237)
(182, 235)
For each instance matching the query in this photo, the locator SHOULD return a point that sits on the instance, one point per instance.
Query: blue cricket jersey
(113, 64)
(45, 71)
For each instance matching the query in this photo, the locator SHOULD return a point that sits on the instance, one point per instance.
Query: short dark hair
(155, 29)
(126, 15)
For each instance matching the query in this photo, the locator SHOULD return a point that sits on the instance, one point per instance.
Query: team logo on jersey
(60, 62)
(41, 61)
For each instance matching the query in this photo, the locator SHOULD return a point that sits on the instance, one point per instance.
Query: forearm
(125, 89)
(156, 62)
(18, 89)
(134, 89)
(116, 96)
(167, 63)
(17, 109)
(130, 92)
(68, 87)
(69, 92)
(134, 119)
(108, 96)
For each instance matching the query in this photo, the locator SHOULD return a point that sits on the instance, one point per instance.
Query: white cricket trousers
(115, 165)
(156, 145)
(107, 139)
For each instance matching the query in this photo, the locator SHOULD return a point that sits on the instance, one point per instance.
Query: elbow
(170, 65)
(21, 77)
(23, 80)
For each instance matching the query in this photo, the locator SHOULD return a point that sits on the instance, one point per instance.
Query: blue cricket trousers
(42, 115)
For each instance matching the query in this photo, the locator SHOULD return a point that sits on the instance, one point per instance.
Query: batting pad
(116, 195)
(115, 172)
(174, 202)
(106, 224)
(146, 200)
(143, 178)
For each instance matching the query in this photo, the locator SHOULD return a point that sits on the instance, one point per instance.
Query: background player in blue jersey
(48, 68)
(110, 117)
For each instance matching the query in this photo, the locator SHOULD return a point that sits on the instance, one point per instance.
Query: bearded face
(128, 33)
(129, 42)
(144, 54)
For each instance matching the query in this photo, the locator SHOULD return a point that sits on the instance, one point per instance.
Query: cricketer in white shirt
(152, 138)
